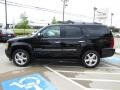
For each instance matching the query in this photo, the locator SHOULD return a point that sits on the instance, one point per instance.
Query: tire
(21, 57)
(90, 59)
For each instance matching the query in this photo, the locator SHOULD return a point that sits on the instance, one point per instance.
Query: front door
(49, 42)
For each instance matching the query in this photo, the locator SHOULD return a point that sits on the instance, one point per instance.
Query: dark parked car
(86, 42)
(6, 34)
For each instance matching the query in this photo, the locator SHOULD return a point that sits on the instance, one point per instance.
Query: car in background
(34, 32)
(6, 34)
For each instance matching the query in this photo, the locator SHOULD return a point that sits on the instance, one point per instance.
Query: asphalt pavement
(59, 75)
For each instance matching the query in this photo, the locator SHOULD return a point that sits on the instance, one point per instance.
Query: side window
(95, 30)
(71, 31)
(51, 32)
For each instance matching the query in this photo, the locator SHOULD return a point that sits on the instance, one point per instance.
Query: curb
(115, 61)
(117, 66)
(117, 51)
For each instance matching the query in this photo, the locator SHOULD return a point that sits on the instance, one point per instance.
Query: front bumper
(107, 52)
(8, 53)
(5, 38)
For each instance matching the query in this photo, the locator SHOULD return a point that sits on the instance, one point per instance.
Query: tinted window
(51, 32)
(71, 31)
(95, 30)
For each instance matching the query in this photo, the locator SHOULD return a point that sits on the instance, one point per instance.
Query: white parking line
(77, 84)
(107, 67)
(1, 45)
(87, 72)
(81, 67)
(103, 80)
(96, 89)
(114, 67)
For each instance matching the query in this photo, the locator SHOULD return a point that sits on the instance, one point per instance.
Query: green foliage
(59, 22)
(22, 32)
(54, 20)
(24, 23)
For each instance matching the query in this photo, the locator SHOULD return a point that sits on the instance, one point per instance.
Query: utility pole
(112, 14)
(94, 9)
(6, 14)
(64, 6)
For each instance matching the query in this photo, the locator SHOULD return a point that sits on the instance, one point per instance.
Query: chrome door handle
(81, 41)
(58, 42)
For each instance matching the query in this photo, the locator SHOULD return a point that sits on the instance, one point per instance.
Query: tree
(24, 23)
(54, 20)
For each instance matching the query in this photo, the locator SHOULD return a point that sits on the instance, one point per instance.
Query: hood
(25, 38)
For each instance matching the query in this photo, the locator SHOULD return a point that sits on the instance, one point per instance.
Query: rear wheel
(90, 59)
(21, 57)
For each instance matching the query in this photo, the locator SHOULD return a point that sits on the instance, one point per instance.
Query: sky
(77, 10)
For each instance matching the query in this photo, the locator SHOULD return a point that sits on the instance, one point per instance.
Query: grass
(22, 31)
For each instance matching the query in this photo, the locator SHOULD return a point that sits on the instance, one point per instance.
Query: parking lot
(65, 75)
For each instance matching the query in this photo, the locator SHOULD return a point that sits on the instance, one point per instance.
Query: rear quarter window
(95, 30)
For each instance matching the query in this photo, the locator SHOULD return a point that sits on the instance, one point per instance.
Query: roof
(96, 24)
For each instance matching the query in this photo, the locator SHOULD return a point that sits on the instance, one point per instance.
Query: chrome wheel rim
(21, 58)
(91, 59)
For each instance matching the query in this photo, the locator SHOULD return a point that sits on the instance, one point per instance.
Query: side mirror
(39, 35)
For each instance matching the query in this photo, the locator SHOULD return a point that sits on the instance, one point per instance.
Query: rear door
(71, 40)
(97, 35)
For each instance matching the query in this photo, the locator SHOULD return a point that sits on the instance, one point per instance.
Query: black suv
(86, 42)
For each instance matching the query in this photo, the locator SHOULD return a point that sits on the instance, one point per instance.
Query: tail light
(112, 42)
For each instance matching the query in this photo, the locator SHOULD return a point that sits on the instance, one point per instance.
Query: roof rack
(72, 22)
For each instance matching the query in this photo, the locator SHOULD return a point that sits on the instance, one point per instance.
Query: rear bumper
(107, 52)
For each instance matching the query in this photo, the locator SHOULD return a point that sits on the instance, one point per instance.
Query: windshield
(36, 32)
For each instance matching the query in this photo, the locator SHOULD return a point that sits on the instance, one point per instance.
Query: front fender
(21, 45)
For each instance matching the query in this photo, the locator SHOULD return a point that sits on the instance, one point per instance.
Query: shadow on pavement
(62, 62)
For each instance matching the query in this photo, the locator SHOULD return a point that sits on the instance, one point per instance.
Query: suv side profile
(86, 42)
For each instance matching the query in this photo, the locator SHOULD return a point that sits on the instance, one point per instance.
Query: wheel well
(91, 48)
(21, 47)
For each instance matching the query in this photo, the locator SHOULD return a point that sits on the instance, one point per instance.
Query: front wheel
(90, 59)
(21, 57)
